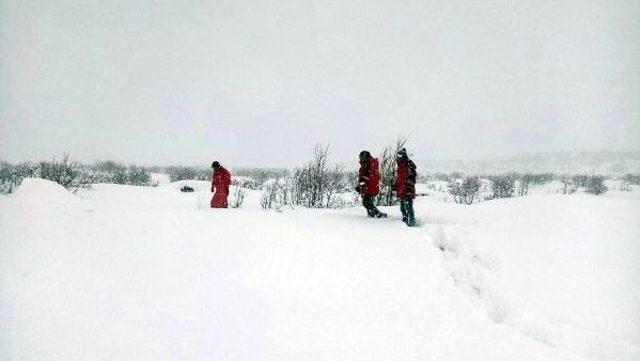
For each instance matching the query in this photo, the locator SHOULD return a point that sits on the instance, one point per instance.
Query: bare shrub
(503, 185)
(278, 193)
(258, 176)
(388, 172)
(272, 195)
(464, 191)
(315, 184)
(238, 196)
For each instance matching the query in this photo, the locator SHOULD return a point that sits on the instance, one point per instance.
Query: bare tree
(315, 184)
(388, 172)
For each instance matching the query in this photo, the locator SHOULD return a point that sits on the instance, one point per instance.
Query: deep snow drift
(121, 272)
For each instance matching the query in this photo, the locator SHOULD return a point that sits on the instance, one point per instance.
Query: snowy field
(142, 273)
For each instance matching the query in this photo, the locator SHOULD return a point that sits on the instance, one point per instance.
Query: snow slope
(141, 273)
(561, 269)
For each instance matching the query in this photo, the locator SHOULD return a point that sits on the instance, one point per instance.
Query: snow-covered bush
(137, 176)
(238, 196)
(580, 180)
(25, 170)
(541, 178)
(258, 176)
(69, 174)
(466, 190)
(625, 186)
(503, 185)
(6, 177)
(64, 172)
(631, 178)
(568, 185)
(110, 172)
(440, 177)
(178, 173)
(595, 185)
(269, 196)
(245, 182)
(277, 193)
(523, 186)
(117, 173)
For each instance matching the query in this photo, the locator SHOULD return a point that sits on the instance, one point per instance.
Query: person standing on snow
(368, 183)
(220, 182)
(406, 186)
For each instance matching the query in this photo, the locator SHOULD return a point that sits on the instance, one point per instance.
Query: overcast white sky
(261, 82)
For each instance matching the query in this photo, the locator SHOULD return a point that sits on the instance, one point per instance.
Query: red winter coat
(406, 178)
(369, 177)
(220, 182)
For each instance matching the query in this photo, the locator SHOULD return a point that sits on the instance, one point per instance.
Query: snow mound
(41, 194)
(159, 179)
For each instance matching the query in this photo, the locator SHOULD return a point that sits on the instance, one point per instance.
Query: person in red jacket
(369, 183)
(220, 182)
(406, 186)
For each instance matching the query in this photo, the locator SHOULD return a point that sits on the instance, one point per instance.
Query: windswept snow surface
(141, 273)
(562, 269)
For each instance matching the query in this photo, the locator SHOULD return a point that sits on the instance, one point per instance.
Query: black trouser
(406, 207)
(367, 202)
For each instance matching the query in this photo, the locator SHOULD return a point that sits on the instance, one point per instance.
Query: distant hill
(609, 162)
